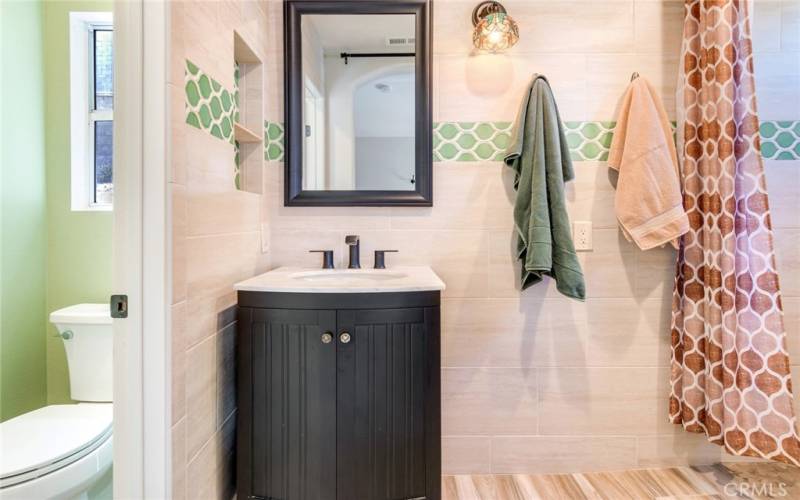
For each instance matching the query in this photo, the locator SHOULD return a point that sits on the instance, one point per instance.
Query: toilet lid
(85, 314)
(42, 437)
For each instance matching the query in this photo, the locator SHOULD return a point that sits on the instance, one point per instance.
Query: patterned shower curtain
(730, 367)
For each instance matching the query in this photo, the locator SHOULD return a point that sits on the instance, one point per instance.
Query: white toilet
(62, 451)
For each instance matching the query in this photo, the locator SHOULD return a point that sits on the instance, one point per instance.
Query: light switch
(582, 234)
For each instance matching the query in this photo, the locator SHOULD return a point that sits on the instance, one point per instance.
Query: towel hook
(634, 76)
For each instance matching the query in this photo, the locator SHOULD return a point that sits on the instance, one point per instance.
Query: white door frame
(141, 251)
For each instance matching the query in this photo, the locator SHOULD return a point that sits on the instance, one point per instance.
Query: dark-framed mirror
(358, 103)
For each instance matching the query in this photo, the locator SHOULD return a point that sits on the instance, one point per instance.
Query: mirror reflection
(358, 106)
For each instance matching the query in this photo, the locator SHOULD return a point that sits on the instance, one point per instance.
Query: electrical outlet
(582, 234)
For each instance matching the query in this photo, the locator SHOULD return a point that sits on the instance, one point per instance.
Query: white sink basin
(349, 275)
(304, 280)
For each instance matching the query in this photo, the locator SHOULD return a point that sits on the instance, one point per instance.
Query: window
(91, 110)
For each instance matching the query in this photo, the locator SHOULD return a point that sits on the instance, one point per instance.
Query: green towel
(539, 154)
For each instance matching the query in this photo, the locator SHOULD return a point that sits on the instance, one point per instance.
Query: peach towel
(648, 202)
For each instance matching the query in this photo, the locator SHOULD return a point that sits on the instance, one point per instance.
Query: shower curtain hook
(634, 76)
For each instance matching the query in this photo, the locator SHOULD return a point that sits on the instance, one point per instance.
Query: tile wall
(532, 382)
(216, 238)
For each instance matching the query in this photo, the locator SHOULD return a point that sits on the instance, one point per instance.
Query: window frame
(83, 115)
(96, 115)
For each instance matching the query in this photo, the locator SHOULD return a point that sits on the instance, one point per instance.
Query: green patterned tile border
(470, 141)
(273, 141)
(780, 140)
(588, 141)
(487, 141)
(209, 106)
(237, 163)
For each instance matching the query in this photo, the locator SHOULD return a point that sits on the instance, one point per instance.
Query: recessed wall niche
(249, 117)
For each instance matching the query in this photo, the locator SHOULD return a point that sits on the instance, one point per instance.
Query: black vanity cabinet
(338, 396)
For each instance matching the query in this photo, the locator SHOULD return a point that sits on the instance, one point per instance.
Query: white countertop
(311, 280)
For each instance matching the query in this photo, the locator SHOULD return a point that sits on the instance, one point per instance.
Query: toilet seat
(47, 440)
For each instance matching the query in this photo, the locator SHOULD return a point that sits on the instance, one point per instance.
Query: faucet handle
(327, 258)
(380, 258)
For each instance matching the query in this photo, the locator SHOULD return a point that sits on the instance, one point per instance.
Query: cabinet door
(287, 383)
(387, 409)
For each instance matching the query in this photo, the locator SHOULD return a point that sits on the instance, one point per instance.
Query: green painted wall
(22, 258)
(79, 243)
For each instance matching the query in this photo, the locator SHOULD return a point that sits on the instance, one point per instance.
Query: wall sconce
(495, 30)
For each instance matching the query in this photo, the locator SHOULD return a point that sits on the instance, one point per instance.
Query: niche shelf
(243, 135)
(249, 123)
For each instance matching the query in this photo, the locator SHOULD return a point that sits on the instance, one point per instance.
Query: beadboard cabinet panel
(340, 403)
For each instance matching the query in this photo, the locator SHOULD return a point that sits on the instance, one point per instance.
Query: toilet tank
(86, 332)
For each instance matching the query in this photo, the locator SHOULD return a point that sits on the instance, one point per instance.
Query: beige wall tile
(226, 461)
(488, 401)
(543, 454)
(273, 95)
(611, 74)
(766, 26)
(787, 256)
(458, 257)
(655, 272)
(209, 162)
(658, 27)
(467, 195)
(178, 434)
(291, 248)
(201, 472)
(488, 313)
(609, 268)
(212, 211)
(214, 264)
(201, 396)
(177, 53)
(216, 242)
(777, 81)
(795, 381)
(676, 449)
(178, 199)
(791, 322)
(452, 22)
(555, 332)
(178, 332)
(505, 270)
(544, 25)
(514, 333)
(199, 21)
(466, 454)
(590, 196)
(226, 373)
(643, 341)
(564, 26)
(204, 314)
(177, 123)
(315, 219)
(490, 87)
(790, 25)
(603, 401)
(783, 187)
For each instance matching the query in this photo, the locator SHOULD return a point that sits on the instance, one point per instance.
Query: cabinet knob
(344, 338)
(326, 337)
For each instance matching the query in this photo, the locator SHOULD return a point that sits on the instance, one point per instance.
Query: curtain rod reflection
(348, 55)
